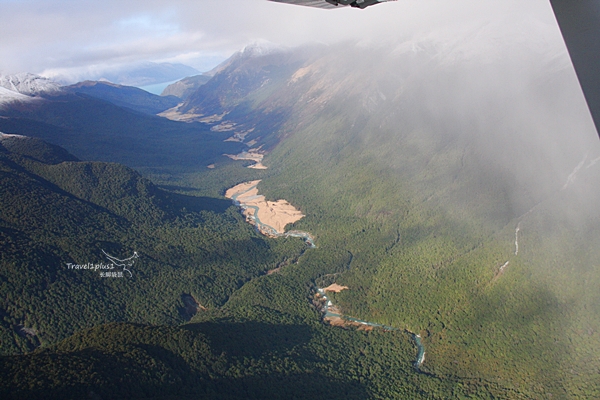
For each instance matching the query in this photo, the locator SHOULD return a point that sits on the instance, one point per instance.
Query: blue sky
(74, 36)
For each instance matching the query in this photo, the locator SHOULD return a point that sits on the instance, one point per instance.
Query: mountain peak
(262, 48)
(252, 50)
(28, 84)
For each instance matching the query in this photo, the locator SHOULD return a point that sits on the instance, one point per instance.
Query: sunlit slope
(414, 168)
(456, 178)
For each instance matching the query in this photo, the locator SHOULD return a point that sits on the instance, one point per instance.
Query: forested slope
(229, 360)
(263, 340)
(461, 206)
(57, 212)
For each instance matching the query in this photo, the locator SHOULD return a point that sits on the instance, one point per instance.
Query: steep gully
(570, 180)
(327, 305)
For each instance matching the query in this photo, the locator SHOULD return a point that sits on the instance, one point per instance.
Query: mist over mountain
(450, 184)
(458, 163)
(519, 114)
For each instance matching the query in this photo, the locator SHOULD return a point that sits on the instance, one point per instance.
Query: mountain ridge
(28, 84)
(124, 96)
(135, 74)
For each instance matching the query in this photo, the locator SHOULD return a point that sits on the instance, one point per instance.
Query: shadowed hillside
(71, 213)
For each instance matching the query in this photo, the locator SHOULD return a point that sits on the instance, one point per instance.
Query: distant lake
(158, 88)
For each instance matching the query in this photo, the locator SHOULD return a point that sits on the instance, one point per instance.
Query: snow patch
(8, 96)
(28, 84)
(261, 48)
(11, 135)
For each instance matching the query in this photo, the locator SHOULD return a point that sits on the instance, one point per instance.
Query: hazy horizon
(78, 40)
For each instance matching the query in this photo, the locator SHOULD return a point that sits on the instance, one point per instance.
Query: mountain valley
(461, 207)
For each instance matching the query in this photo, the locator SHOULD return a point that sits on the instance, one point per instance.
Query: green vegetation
(69, 212)
(229, 360)
(417, 217)
(428, 236)
(254, 340)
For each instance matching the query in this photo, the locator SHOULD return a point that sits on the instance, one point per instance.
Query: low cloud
(45, 36)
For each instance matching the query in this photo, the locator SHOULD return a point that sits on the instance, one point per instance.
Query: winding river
(271, 231)
(416, 337)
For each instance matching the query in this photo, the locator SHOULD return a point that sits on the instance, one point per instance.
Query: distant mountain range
(138, 74)
(27, 87)
(125, 96)
(83, 120)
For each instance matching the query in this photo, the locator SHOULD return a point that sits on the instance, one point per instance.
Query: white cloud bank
(75, 36)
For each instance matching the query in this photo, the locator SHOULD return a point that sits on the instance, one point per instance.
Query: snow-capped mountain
(28, 84)
(261, 48)
(9, 96)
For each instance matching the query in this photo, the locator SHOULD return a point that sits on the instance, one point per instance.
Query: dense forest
(56, 212)
(251, 335)
(228, 359)
(472, 223)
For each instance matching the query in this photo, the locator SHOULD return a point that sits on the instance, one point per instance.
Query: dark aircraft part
(333, 3)
(364, 4)
(310, 3)
(579, 22)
